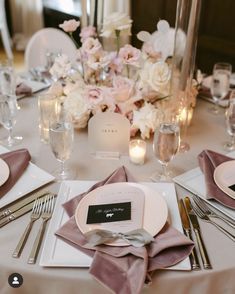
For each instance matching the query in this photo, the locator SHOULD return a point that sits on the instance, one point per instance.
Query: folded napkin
(208, 161)
(23, 89)
(17, 161)
(125, 269)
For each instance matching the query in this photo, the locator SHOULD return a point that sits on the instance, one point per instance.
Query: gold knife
(14, 206)
(186, 225)
(196, 228)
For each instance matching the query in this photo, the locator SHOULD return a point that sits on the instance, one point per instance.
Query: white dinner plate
(155, 209)
(224, 176)
(4, 172)
(32, 178)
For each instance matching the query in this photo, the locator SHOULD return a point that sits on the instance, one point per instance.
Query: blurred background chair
(48, 40)
(4, 30)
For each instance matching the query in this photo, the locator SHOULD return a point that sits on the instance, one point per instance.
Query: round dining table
(207, 131)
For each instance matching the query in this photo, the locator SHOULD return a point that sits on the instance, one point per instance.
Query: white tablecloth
(206, 132)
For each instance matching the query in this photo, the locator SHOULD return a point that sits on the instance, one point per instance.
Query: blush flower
(91, 46)
(122, 88)
(130, 55)
(87, 32)
(70, 26)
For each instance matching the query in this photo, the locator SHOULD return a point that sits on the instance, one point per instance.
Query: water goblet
(230, 123)
(8, 113)
(166, 144)
(220, 83)
(61, 136)
(7, 78)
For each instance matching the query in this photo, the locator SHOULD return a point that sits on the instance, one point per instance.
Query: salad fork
(206, 218)
(46, 215)
(36, 211)
(205, 208)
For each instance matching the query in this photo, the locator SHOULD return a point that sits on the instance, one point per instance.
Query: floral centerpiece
(129, 81)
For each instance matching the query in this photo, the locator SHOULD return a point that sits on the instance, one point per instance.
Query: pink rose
(95, 95)
(122, 88)
(70, 26)
(100, 99)
(91, 46)
(87, 32)
(130, 55)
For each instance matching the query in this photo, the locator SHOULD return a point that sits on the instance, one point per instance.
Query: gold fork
(46, 215)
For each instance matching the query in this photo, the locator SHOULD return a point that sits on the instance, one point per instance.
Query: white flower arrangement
(129, 81)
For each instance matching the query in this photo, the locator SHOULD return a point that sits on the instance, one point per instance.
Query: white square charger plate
(194, 182)
(57, 253)
(32, 178)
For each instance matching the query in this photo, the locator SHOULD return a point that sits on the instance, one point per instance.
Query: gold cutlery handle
(228, 234)
(193, 256)
(23, 239)
(36, 245)
(203, 251)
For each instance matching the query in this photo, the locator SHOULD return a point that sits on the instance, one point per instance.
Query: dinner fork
(36, 211)
(205, 208)
(206, 218)
(46, 215)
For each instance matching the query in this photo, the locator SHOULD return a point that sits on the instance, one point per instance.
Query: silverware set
(198, 208)
(42, 209)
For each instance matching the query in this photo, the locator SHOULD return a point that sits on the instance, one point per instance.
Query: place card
(108, 135)
(113, 212)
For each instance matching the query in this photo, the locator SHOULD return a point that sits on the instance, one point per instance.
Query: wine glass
(220, 83)
(230, 122)
(166, 144)
(61, 136)
(8, 113)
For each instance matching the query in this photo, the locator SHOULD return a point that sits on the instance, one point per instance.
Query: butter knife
(23, 210)
(28, 198)
(186, 225)
(196, 228)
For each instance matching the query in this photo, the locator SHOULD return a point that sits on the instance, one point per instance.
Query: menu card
(118, 211)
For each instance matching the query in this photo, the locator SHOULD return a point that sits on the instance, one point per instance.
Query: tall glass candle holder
(183, 63)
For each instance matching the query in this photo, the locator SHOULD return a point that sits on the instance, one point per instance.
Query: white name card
(108, 135)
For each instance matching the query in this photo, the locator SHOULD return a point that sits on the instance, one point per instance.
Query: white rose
(116, 21)
(156, 76)
(146, 119)
(79, 108)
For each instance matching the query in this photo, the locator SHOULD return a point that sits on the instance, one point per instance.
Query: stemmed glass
(166, 144)
(61, 136)
(230, 122)
(8, 112)
(220, 83)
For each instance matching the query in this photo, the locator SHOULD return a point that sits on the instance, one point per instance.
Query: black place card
(112, 212)
(232, 187)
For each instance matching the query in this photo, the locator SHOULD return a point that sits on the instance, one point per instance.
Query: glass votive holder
(137, 151)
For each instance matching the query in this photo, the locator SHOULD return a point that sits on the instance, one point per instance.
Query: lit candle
(137, 151)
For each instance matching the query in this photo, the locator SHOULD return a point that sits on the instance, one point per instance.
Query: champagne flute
(8, 113)
(230, 123)
(220, 83)
(166, 144)
(61, 136)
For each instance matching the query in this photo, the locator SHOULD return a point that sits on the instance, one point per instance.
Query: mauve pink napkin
(23, 89)
(208, 161)
(17, 161)
(125, 269)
